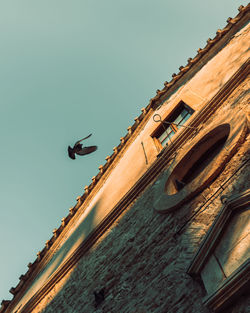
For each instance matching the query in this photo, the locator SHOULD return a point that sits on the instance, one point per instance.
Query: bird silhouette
(79, 149)
(99, 296)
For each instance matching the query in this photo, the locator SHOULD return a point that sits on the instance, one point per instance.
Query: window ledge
(235, 284)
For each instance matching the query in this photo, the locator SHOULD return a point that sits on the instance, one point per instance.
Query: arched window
(199, 162)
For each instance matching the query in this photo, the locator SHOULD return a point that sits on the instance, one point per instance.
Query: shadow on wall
(64, 252)
(77, 237)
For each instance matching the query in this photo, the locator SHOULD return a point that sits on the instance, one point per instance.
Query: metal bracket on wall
(146, 159)
(157, 119)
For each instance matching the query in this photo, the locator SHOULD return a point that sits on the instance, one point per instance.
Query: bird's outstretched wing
(86, 150)
(78, 149)
(77, 143)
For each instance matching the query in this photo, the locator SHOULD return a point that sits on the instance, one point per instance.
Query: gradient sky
(67, 69)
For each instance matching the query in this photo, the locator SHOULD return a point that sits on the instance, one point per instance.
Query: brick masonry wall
(139, 262)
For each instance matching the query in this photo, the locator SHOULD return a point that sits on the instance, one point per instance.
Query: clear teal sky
(67, 69)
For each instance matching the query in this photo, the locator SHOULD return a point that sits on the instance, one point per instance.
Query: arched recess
(200, 161)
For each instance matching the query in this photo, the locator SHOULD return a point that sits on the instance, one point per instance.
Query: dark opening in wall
(204, 161)
(202, 155)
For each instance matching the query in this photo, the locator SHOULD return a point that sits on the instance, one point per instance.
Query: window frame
(170, 124)
(239, 280)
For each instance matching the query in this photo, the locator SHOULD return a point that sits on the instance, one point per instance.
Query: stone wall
(139, 261)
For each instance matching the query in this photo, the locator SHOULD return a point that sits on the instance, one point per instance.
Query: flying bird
(79, 149)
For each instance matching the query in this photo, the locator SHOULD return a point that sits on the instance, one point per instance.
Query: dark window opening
(198, 159)
(204, 161)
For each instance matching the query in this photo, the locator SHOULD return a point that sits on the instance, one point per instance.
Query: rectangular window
(172, 124)
(223, 259)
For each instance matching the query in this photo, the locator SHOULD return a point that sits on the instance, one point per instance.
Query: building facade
(164, 225)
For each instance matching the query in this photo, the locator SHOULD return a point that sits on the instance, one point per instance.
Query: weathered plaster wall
(139, 262)
(223, 65)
